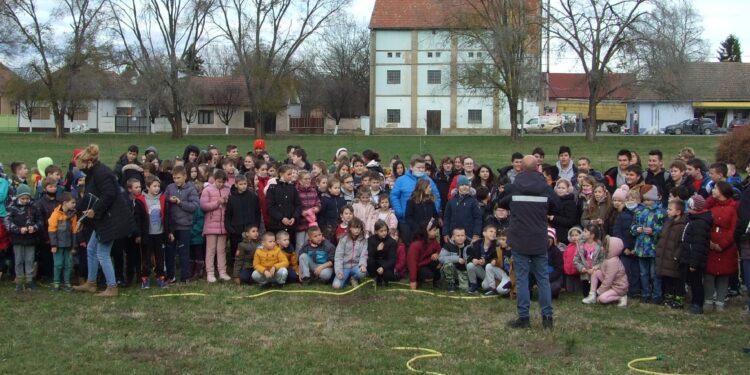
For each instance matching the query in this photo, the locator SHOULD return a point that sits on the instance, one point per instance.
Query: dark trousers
(633, 270)
(133, 259)
(245, 275)
(118, 258)
(429, 271)
(82, 260)
(586, 287)
(694, 280)
(198, 252)
(179, 247)
(152, 248)
(44, 261)
(234, 242)
(673, 286)
(372, 271)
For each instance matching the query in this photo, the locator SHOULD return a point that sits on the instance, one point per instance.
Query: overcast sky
(720, 18)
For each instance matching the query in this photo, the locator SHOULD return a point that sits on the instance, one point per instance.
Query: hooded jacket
(615, 277)
(103, 196)
(62, 228)
(246, 256)
(621, 227)
(328, 216)
(668, 247)
(243, 209)
(180, 216)
(695, 240)
(419, 255)
(385, 258)
(283, 201)
(350, 253)
(645, 217)
(264, 259)
(188, 150)
(530, 200)
(213, 209)
(319, 254)
(724, 262)
(463, 211)
(23, 216)
(403, 189)
(129, 171)
(579, 260)
(567, 217)
(451, 253)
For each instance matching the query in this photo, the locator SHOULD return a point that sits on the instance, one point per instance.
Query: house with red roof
(414, 61)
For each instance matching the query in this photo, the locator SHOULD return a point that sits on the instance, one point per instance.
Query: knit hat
(22, 190)
(574, 229)
(462, 180)
(696, 203)
(431, 225)
(76, 152)
(650, 192)
(42, 164)
(260, 144)
(552, 233)
(339, 151)
(621, 193)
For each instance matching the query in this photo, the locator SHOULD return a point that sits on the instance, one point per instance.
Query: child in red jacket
(572, 277)
(400, 268)
(422, 258)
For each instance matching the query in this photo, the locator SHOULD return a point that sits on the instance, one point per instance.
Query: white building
(414, 62)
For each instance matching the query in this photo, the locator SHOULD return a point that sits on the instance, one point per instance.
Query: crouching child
(453, 260)
(245, 255)
(269, 264)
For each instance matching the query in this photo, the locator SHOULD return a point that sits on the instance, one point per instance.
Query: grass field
(44, 332)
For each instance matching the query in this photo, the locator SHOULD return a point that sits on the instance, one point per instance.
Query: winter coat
(261, 189)
(403, 189)
(213, 209)
(569, 267)
(319, 254)
(477, 251)
(264, 259)
(499, 224)
(196, 232)
(350, 253)
(24, 216)
(687, 182)
(283, 201)
(291, 256)
(463, 211)
(309, 199)
(243, 209)
(724, 262)
(419, 214)
(62, 228)
(621, 227)
(451, 253)
(644, 217)
(328, 216)
(743, 216)
(659, 179)
(385, 258)
(188, 149)
(419, 255)
(530, 200)
(363, 211)
(603, 211)
(615, 277)
(400, 267)
(443, 183)
(554, 264)
(104, 198)
(5, 192)
(567, 217)
(131, 171)
(374, 166)
(46, 206)
(579, 260)
(180, 216)
(138, 212)
(389, 218)
(695, 240)
(246, 256)
(668, 247)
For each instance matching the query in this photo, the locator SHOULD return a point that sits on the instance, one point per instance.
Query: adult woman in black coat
(105, 210)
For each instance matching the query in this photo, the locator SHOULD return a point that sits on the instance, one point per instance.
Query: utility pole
(549, 45)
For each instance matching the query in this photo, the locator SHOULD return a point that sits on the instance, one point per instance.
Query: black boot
(519, 323)
(547, 322)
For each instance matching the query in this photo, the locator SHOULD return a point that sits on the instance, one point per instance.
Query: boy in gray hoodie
(181, 202)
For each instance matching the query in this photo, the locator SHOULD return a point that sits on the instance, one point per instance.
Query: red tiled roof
(575, 86)
(415, 14)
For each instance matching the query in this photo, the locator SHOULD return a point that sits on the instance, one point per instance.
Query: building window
(433, 77)
(394, 116)
(429, 54)
(390, 54)
(479, 54)
(81, 115)
(475, 116)
(40, 113)
(394, 77)
(437, 54)
(125, 111)
(398, 54)
(471, 54)
(205, 117)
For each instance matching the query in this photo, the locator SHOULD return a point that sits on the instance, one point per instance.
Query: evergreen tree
(730, 50)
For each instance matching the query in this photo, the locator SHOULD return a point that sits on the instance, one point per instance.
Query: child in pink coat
(614, 280)
(213, 203)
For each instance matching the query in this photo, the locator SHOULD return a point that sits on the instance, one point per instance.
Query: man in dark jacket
(530, 200)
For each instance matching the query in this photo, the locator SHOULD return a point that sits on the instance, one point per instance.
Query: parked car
(704, 126)
(543, 124)
(739, 123)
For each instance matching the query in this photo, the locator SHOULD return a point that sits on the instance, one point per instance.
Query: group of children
(250, 219)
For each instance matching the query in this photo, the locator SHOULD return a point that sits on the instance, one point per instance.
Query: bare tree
(57, 62)
(509, 30)
(162, 40)
(669, 38)
(26, 93)
(226, 98)
(598, 32)
(265, 34)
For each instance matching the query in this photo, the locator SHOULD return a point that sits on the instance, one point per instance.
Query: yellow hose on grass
(430, 354)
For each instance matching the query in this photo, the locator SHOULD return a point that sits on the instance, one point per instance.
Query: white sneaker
(224, 277)
(623, 301)
(211, 278)
(591, 299)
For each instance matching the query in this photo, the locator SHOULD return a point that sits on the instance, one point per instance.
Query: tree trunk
(258, 125)
(513, 107)
(591, 123)
(176, 123)
(59, 121)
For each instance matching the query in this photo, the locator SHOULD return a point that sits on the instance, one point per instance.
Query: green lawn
(493, 150)
(355, 333)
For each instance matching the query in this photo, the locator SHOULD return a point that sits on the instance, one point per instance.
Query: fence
(306, 125)
(8, 124)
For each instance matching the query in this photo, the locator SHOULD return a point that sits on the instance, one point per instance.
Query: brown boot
(111, 291)
(89, 287)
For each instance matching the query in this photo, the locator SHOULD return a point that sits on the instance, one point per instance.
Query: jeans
(98, 254)
(354, 273)
(63, 265)
(307, 268)
(279, 277)
(153, 247)
(650, 283)
(181, 248)
(536, 264)
(24, 262)
(245, 275)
